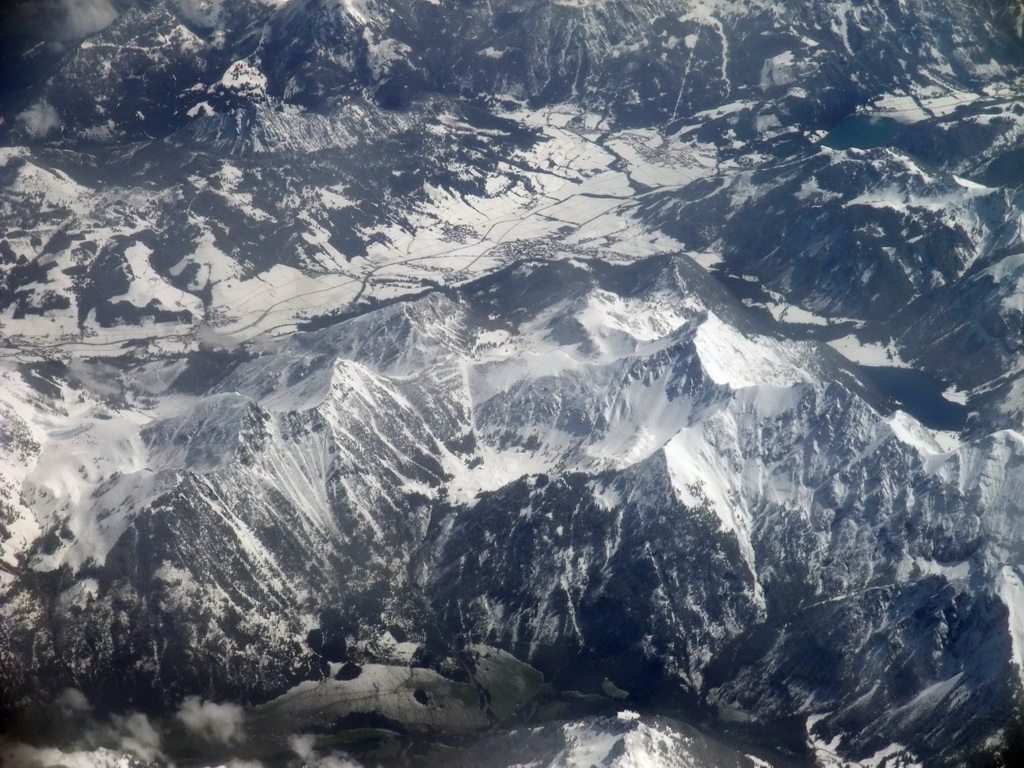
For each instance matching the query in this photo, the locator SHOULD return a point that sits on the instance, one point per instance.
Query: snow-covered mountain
(626, 740)
(392, 373)
(614, 473)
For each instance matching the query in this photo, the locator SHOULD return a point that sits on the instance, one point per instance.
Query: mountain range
(548, 382)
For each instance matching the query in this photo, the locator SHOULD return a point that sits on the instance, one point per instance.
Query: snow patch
(1010, 589)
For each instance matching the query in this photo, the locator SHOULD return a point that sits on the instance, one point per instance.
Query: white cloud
(217, 722)
(302, 745)
(99, 746)
(26, 756)
(208, 12)
(138, 736)
(205, 12)
(39, 119)
(101, 379)
(72, 701)
(334, 761)
(84, 17)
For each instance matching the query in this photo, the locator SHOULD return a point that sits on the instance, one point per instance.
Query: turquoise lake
(862, 132)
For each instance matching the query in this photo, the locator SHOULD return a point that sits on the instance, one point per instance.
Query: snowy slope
(637, 453)
(367, 363)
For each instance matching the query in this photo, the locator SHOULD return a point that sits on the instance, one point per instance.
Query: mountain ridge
(512, 360)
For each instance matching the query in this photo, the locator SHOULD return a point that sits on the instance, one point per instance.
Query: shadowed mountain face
(389, 374)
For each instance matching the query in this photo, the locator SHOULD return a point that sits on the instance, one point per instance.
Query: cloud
(39, 119)
(302, 746)
(26, 756)
(99, 378)
(203, 12)
(207, 13)
(334, 761)
(216, 722)
(209, 337)
(99, 746)
(113, 742)
(84, 17)
(72, 701)
(58, 20)
(138, 736)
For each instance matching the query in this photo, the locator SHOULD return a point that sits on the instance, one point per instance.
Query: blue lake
(862, 132)
(919, 394)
